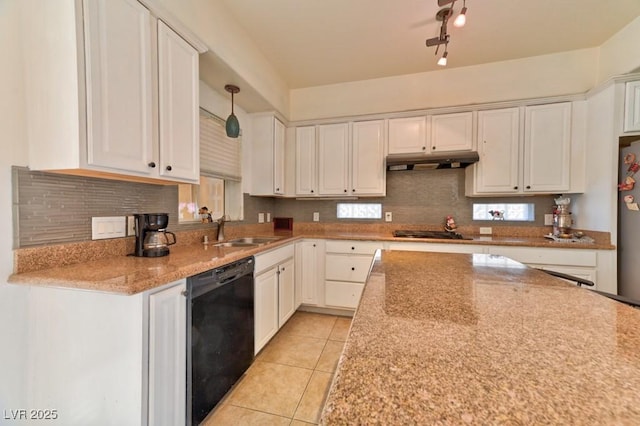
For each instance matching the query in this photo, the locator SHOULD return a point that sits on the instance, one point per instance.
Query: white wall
(217, 28)
(621, 53)
(548, 75)
(13, 146)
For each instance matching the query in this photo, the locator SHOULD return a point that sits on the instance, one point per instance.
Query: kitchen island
(480, 339)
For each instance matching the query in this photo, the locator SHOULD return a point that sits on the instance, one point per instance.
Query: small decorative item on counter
(450, 224)
(497, 214)
(205, 216)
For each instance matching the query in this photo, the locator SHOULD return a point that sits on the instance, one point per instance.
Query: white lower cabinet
(167, 355)
(274, 296)
(347, 267)
(310, 259)
(94, 354)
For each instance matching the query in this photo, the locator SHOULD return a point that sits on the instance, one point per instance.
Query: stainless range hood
(451, 160)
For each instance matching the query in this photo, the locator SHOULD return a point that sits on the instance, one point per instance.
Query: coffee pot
(152, 238)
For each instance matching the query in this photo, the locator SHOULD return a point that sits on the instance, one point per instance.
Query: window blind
(219, 154)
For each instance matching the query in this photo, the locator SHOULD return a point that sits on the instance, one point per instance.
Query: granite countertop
(104, 265)
(442, 338)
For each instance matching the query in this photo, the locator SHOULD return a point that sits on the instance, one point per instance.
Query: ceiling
(319, 42)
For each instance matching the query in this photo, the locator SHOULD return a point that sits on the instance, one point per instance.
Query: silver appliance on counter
(220, 333)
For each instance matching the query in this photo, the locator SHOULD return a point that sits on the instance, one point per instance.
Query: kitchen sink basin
(254, 240)
(235, 244)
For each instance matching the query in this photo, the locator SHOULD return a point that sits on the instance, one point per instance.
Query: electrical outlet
(485, 230)
(260, 217)
(131, 226)
(268, 217)
(316, 216)
(548, 219)
(388, 216)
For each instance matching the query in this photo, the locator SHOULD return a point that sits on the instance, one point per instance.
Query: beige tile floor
(289, 379)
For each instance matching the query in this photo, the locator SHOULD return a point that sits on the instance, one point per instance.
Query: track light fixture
(443, 16)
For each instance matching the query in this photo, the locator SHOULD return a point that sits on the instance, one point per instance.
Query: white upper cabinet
(632, 107)
(547, 148)
(407, 135)
(499, 151)
(268, 155)
(119, 85)
(178, 95)
(111, 108)
(306, 163)
(333, 159)
(529, 150)
(452, 132)
(367, 158)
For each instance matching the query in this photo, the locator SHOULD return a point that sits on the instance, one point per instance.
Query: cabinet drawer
(341, 294)
(548, 256)
(356, 247)
(340, 267)
(273, 257)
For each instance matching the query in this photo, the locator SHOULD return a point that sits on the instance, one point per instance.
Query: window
(220, 189)
(359, 211)
(523, 212)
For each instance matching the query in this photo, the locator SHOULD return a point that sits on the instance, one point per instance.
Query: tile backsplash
(50, 208)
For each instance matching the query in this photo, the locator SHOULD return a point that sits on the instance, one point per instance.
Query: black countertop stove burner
(443, 235)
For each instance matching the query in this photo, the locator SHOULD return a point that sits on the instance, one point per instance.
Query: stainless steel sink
(254, 240)
(235, 244)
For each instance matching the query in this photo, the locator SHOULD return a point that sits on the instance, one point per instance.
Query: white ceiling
(318, 42)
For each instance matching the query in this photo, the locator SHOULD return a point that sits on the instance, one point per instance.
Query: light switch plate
(108, 227)
(131, 226)
(485, 230)
(316, 216)
(268, 217)
(388, 216)
(260, 217)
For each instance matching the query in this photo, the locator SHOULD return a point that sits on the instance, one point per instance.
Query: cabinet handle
(433, 147)
(168, 168)
(314, 245)
(528, 186)
(345, 190)
(185, 293)
(515, 187)
(353, 190)
(353, 268)
(424, 148)
(353, 248)
(152, 164)
(312, 191)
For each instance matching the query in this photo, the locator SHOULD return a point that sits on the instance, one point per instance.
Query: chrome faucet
(220, 223)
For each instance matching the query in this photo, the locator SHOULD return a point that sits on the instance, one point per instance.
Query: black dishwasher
(219, 334)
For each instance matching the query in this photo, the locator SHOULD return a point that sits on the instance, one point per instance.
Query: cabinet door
(306, 170)
(178, 104)
(278, 157)
(452, 132)
(286, 291)
(167, 355)
(333, 159)
(499, 151)
(118, 86)
(265, 307)
(343, 294)
(367, 158)
(547, 148)
(632, 107)
(310, 270)
(407, 135)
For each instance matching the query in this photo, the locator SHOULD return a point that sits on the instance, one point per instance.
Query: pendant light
(233, 126)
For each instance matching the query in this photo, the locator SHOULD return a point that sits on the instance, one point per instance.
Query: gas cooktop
(443, 235)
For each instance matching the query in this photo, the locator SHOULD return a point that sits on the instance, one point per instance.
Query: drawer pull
(353, 268)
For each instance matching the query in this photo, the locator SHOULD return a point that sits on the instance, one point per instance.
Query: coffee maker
(152, 238)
